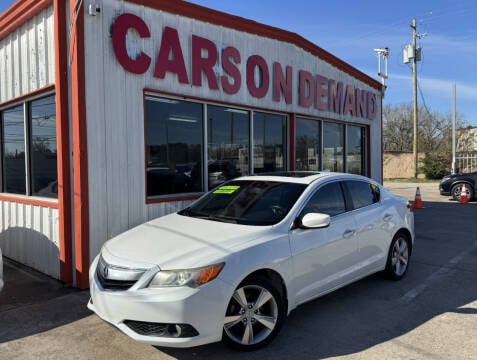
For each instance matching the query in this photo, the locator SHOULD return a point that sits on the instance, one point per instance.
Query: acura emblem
(105, 272)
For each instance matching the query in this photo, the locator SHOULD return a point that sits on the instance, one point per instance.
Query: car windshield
(249, 202)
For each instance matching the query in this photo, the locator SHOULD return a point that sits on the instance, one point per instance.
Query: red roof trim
(19, 13)
(215, 17)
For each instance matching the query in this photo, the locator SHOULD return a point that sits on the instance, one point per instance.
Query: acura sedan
(236, 262)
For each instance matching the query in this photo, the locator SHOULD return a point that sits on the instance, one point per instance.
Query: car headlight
(190, 277)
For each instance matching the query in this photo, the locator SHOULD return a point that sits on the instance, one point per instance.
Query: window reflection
(354, 150)
(228, 148)
(44, 150)
(173, 146)
(327, 200)
(269, 142)
(308, 147)
(333, 144)
(14, 174)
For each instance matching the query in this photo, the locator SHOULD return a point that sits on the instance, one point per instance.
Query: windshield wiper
(221, 219)
(188, 212)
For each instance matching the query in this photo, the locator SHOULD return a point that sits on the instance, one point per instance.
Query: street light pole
(454, 116)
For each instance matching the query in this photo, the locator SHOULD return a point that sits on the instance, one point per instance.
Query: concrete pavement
(429, 190)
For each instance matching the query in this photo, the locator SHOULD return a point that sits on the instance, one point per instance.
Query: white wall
(27, 61)
(28, 233)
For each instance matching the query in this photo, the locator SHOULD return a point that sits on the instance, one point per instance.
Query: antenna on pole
(384, 55)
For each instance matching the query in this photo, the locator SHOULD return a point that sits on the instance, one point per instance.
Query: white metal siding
(160, 209)
(27, 61)
(115, 109)
(30, 235)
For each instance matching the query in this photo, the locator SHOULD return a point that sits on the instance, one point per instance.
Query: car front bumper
(201, 308)
(445, 189)
(444, 192)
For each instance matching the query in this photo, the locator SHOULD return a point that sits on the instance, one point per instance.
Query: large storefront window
(43, 147)
(355, 150)
(173, 146)
(228, 144)
(14, 173)
(315, 152)
(34, 141)
(308, 145)
(269, 142)
(333, 146)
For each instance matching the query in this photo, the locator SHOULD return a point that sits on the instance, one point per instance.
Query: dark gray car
(451, 185)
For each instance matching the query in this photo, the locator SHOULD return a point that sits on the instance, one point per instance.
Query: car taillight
(410, 206)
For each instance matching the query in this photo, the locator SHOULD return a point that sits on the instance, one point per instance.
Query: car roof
(300, 177)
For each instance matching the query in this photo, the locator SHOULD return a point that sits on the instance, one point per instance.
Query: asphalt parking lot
(431, 314)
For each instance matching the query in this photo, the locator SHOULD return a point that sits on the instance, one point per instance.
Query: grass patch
(412, 180)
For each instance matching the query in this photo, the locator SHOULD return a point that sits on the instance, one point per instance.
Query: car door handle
(387, 217)
(348, 233)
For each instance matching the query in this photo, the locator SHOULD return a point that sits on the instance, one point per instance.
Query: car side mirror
(314, 221)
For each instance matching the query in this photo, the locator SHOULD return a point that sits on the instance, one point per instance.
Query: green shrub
(435, 166)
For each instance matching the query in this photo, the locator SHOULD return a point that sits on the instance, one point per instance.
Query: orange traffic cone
(463, 195)
(417, 200)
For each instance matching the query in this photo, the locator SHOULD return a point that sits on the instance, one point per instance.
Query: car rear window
(362, 193)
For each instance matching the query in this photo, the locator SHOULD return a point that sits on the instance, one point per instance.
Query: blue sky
(352, 29)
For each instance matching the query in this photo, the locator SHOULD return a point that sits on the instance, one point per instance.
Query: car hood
(177, 242)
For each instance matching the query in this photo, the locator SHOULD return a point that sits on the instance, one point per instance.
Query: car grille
(116, 278)
(161, 330)
(113, 284)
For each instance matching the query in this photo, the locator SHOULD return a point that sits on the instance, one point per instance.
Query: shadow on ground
(32, 302)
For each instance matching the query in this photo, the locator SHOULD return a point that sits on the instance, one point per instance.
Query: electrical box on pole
(408, 54)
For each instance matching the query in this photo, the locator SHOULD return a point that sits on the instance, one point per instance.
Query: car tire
(254, 315)
(457, 188)
(398, 257)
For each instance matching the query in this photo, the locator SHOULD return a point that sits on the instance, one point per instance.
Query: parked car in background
(451, 185)
(1, 270)
(235, 263)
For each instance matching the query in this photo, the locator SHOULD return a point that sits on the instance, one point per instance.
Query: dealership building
(114, 112)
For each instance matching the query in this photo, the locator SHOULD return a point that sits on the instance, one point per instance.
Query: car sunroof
(297, 174)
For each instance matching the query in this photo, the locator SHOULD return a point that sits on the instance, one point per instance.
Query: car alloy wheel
(254, 315)
(457, 189)
(398, 257)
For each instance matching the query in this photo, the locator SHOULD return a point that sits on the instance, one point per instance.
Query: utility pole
(414, 77)
(413, 52)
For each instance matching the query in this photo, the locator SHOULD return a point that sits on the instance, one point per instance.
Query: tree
(434, 135)
(397, 130)
(434, 129)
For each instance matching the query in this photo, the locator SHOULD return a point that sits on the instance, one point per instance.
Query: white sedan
(234, 264)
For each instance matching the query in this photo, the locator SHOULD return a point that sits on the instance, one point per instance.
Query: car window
(362, 193)
(247, 202)
(328, 199)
